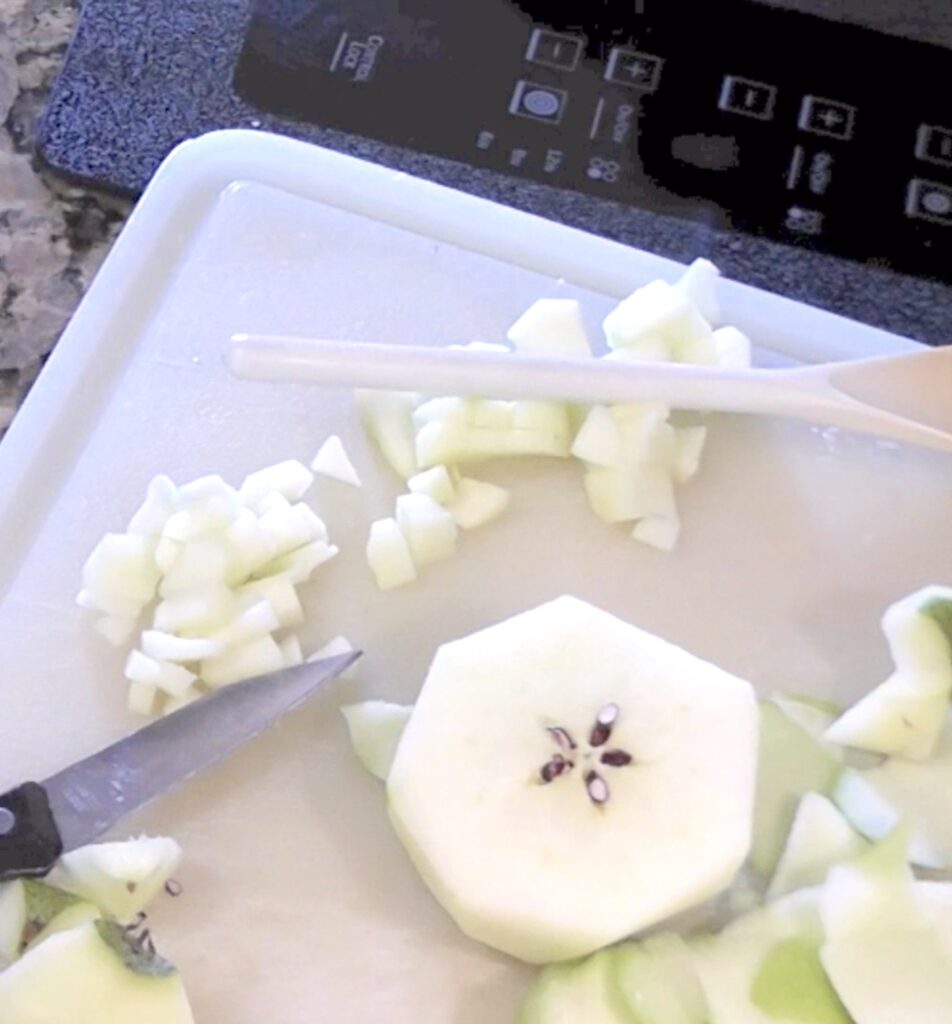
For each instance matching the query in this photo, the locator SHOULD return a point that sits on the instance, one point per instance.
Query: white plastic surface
(298, 904)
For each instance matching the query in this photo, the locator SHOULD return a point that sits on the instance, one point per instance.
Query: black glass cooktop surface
(735, 114)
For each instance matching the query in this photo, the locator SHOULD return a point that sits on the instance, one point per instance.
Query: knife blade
(40, 821)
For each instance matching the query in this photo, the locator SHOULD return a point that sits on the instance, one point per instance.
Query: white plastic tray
(298, 903)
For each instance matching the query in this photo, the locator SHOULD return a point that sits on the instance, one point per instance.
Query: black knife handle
(30, 842)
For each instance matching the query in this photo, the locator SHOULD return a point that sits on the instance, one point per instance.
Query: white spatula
(905, 398)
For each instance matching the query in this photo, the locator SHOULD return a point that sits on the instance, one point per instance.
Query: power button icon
(538, 102)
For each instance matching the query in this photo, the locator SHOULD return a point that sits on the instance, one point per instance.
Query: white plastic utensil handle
(804, 393)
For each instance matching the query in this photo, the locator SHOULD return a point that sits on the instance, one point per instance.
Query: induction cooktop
(736, 115)
(732, 113)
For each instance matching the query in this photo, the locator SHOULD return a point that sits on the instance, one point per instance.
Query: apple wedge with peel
(819, 838)
(905, 715)
(94, 973)
(915, 794)
(792, 763)
(883, 954)
(576, 992)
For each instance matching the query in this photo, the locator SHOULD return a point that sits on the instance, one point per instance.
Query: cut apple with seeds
(581, 740)
(93, 973)
(121, 878)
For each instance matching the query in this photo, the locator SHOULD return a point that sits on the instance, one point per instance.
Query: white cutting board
(299, 905)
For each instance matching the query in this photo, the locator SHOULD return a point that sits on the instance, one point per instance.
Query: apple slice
(578, 993)
(658, 980)
(820, 838)
(792, 764)
(611, 774)
(91, 974)
(764, 967)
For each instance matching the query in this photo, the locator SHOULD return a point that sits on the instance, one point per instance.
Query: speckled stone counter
(52, 236)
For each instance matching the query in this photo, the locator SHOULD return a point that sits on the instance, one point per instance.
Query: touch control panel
(736, 114)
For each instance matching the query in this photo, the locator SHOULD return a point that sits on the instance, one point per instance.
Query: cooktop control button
(934, 144)
(929, 200)
(538, 102)
(827, 117)
(553, 50)
(747, 97)
(634, 70)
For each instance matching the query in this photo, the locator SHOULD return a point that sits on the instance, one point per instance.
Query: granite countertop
(52, 236)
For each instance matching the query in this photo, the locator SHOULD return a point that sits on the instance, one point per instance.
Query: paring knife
(40, 821)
